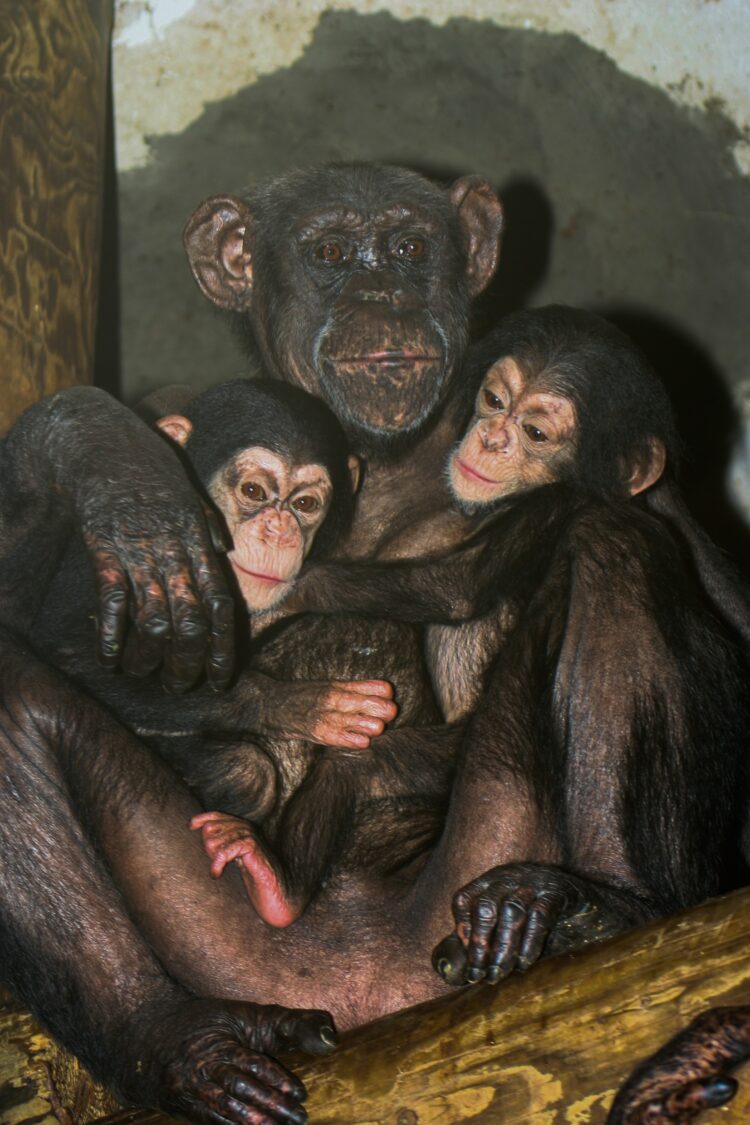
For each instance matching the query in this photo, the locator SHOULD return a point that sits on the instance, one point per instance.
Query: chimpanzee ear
(175, 426)
(214, 241)
(355, 471)
(480, 214)
(646, 469)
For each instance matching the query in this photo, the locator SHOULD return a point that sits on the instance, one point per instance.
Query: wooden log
(550, 1046)
(53, 101)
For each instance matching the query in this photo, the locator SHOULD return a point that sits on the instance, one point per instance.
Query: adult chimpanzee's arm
(80, 458)
(688, 1074)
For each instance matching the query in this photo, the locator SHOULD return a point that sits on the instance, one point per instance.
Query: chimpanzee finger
(224, 1107)
(349, 700)
(263, 1083)
(151, 623)
(383, 688)
(543, 915)
(693, 1098)
(219, 609)
(221, 540)
(220, 659)
(185, 654)
(113, 593)
(312, 1031)
(484, 918)
(509, 935)
(449, 960)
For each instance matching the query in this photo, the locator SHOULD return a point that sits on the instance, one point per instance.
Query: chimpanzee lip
(387, 358)
(468, 471)
(255, 574)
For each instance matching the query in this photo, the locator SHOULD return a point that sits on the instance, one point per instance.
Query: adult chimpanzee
(414, 251)
(609, 681)
(273, 460)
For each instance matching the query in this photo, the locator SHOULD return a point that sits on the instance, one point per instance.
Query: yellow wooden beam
(547, 1047)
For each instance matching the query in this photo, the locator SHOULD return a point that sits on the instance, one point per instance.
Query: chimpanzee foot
(688, 1074)
(209, 1061)
(506, 917)
(229, 838)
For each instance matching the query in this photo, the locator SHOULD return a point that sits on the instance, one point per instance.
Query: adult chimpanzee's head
(356, 281)
(563, 395)
(274, 461)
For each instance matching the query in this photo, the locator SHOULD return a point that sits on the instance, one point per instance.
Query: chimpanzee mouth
(472, 473)
(401, 358)
(255, 574)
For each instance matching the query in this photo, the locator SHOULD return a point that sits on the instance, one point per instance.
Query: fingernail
(329, 1036)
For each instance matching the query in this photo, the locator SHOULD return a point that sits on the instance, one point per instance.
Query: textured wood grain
(551, 1046)
(53, 85)
(39, 1083)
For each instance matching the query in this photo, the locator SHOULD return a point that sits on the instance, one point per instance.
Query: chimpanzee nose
(495, 434)
(383, 288)
(279, 528)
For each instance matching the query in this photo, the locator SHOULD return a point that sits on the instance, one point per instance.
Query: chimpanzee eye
(329, 252)
(253, 491)
(410, 248)
(306, 504)
(491, 400)
(535, 434)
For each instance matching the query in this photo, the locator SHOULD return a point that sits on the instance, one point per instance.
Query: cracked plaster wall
(616, 130)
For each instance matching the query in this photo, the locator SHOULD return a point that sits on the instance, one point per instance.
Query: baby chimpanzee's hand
(211, 1061)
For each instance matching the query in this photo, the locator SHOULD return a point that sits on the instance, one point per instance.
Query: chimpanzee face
(273, 510)
(355, 281)
(377, 330)
(521, 436)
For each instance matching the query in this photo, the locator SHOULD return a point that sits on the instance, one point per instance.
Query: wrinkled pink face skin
(520, 437)
(273, 511)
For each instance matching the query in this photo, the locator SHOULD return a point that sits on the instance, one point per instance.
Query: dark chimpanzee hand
(211, 1061)
(689, 1073)
(151, 540)
(506, 917)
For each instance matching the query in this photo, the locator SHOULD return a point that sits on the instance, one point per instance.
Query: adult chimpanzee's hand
(505, 918)
(151, 540)
(211, 1061)
(688, 1074)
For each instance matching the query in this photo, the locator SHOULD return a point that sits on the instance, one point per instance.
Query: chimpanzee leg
(508, 819)
(69, 947)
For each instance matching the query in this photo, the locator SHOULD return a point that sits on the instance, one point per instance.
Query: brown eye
(410, 248)
(306, 504)
(329, 252)
(491, 400)
(535, 434)
(253, 491)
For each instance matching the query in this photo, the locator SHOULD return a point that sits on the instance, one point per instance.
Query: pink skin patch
(254, 574)
(472, 474)
(228, 839)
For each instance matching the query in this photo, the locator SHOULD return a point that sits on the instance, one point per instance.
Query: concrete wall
(618, 132)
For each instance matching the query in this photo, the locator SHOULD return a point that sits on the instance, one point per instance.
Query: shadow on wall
(615, 196)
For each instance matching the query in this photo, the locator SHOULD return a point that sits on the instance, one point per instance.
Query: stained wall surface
(616, 132)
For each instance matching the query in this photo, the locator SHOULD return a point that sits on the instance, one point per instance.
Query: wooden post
(551, 1046)
(53, 100)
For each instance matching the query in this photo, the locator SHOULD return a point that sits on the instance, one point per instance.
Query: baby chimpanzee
(273, 460)
(590, 627)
